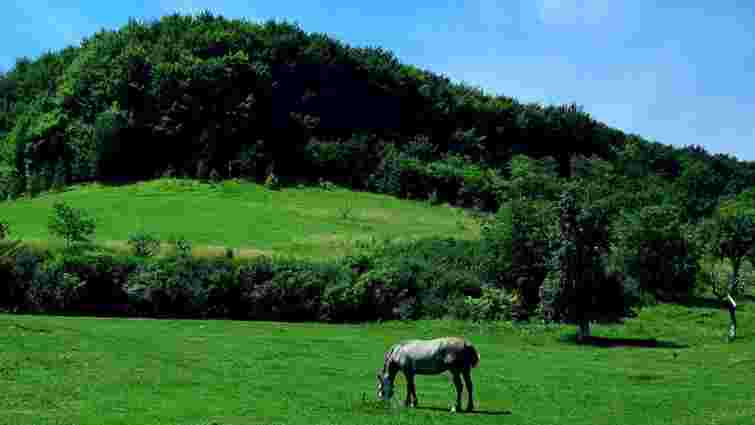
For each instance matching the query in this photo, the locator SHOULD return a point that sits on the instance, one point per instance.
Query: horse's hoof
(453, 409)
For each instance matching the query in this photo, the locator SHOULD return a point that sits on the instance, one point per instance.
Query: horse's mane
(389, 354)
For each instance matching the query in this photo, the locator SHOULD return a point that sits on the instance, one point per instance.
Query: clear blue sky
(679, 74)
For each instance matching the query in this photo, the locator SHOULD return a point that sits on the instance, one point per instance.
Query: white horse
(429, 357)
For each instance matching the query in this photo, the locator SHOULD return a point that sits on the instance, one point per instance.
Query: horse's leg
(411, 390)
(470, 389)
(409, 384)
(459, 388)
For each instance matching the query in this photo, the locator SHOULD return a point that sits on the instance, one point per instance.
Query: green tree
(655, 252)
(730, 236)
(515, 249)
(579, 248)
(7, 248)
(4, 230)
(71, 224)
(532, 178)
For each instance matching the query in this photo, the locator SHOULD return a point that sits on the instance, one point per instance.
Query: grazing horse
(429, 357)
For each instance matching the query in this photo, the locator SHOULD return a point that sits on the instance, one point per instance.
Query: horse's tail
(473, 356)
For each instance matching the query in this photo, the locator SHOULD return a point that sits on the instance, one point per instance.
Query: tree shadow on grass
(608, 342)
(474, 412)
(702, 302)
(713, 303)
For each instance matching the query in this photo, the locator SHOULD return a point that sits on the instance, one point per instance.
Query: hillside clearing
(309, 222)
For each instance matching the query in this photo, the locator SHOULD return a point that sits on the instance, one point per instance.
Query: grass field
(248, 217)
(57, 370)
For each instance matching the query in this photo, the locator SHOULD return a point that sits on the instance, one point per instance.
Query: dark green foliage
(197, 93)
(144, 244)
(214, 176)
(116, 157)
(59, 177)
(384, 281)
(71, 224)
(731, 234)
(515, 246)
(271, 181)
(202, 173)
(11, 184)
(532, 179)
(656, 253)
(578, 287)
(4, 230)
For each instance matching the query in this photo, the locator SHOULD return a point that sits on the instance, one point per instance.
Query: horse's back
(436, 355)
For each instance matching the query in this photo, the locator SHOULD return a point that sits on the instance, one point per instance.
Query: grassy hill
(310, 222)
(668, 366)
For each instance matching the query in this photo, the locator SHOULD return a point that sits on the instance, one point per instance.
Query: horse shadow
(608, 342)
(474, 412)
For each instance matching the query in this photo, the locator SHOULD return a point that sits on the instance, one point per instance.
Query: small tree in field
(733, 240)
(577, 263)
(71, 224)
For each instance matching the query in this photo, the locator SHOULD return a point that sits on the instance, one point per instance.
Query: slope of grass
(306, 221)
(668, 366)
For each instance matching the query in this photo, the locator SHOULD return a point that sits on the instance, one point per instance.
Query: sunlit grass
(247, 217)
(57, 370)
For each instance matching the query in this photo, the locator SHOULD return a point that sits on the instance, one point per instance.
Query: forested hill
(197, 94)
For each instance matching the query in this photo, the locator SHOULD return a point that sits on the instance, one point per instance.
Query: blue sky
(676, 74)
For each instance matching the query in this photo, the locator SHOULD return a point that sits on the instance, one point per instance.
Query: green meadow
(670, 365)
(309, 222)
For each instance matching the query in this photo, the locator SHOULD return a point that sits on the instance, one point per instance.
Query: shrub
(144, 244)
(515, 249)
(59, 177)
(494, 304)
(170, 287)
(71, 224)
(4, 230)
(202, 173)
(326, 185)
(215, 176)
(656, 253)
(271, 181)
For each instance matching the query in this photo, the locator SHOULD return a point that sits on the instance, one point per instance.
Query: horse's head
(384, 387)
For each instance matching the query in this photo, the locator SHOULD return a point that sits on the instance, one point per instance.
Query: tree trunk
(583, 331)
(732, 315)
(736, 265)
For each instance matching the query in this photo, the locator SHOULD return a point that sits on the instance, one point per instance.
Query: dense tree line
(200, 93)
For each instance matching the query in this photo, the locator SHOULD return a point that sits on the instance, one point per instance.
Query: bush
(52, 289)
(71, 224)
(4, 230)
(515, 250)
(272, 182)
(389, 280)
(215, 176)
(144, 244)
(494, 304)
(655, 252)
